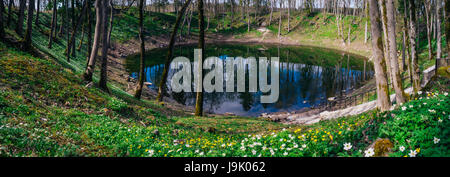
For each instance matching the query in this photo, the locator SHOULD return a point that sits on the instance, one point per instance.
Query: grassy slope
(53, 114)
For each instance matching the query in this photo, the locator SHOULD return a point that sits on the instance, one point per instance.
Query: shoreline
(120, 51)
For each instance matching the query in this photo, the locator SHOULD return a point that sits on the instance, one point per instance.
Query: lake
(308, 76)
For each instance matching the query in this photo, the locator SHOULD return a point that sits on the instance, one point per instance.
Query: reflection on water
(308, 76)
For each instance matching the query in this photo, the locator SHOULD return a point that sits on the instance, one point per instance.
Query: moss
(444, 71)
(382, 147)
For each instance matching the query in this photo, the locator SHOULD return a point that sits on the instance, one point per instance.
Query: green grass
(45, 110)
(51, 114)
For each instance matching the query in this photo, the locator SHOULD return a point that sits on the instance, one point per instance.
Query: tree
(429, 26)
(279, 23)
(405, 45)
(248, 15)
(201, 45)
(366, 9)
(142, 51)
(111, 18)
(74, 23)
(19, 26)
(396, 78)
(89, 32)
(2, 30)
(8, 21)
(383, 101)
(232, 12)
(67, 32)
(97, 34)
(271, 11)
(71, 42)
(27, 44)
(412, 41)
(53, 25)
(161, 88)
(447, 26)
(37, 12)
(104, 64)
(289, 16)
(438, 29)
(382, 5)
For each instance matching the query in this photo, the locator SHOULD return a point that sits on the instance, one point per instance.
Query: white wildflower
(369, 152)
(347, 146)
(150, 152)
(402, 148)
(412, 153)
(436, 140)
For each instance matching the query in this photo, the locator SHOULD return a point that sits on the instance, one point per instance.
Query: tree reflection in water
(308, 76)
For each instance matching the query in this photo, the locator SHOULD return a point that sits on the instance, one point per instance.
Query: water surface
(308, 76)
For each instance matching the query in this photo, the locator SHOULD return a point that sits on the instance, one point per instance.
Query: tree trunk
(2, 29)
(383, 101)
(412, 40)
(447, 26)
(68, 28)
(189, 21)
(104, 65)
(396, 78)
(19, 26)
(82, 37)
(271, 11)
(232, 12)
(163, 81)
(289, 15)
(349, 39)
(438, 29)
(383, 10)
(365, 32)
(429, 24)
(8, 21)
(279, 23)
(111, 18)
(89, 33)
(74, 23)
(37, 13)
(71, 43)
(367, 19)
(201, 45)
(406, 38)
(248, 15)
(53, 25)
(98, 29)
(142, 51)
(27, 44)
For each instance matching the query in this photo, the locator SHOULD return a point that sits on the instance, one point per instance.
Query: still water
(308, 76)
